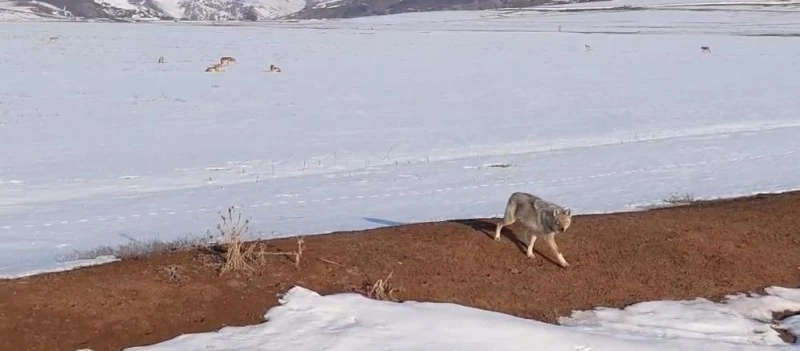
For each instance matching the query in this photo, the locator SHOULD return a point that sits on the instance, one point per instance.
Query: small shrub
(138, 248)
(680, 199)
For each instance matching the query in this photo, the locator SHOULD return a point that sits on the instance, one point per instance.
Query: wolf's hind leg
(508, 218)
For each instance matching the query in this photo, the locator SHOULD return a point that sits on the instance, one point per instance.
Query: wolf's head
(563, 218)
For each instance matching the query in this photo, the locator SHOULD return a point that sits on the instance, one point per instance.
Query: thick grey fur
(539, 217)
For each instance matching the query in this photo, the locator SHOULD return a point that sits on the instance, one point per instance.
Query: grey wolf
(161, 60)
(705, 49)
(540, 217)
(226, 60)
(273, 68)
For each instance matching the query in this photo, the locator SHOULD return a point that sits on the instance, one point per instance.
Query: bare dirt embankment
(705, 249)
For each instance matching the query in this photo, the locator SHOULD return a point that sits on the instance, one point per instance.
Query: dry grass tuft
(238, 256)
(261, 254)
(298, 254)
(231, 232)
(680, 199)
(382, 289)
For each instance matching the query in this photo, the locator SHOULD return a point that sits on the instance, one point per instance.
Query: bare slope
(707, 250)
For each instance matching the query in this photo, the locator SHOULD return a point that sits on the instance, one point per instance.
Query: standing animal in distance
(540, 218)
(161, 60)
(226, 60)
(705, 49)
(217, 67)
(587, 47)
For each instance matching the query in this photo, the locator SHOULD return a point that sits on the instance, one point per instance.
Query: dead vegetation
(260, 254)
(227, 250)
(173, 273)
(138, 249)
(680, 199)
(237, 255)
(231, 231)
(298, 254)
(381, 289)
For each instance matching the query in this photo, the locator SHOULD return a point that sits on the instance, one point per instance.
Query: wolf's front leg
(551, 241)
(529, 253)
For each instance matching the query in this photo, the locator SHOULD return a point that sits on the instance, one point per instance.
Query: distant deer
(273, 68)
(226, 60)
(217, 67)
(162, 60)
(705, 50)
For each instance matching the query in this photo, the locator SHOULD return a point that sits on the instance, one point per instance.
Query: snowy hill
(359, 8)
(131, 10)
(240, 10)
(30, 10)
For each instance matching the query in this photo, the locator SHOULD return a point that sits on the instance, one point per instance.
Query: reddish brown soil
(707, 249)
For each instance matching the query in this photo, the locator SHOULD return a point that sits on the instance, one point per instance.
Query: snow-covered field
(308, 321)
(100, 145)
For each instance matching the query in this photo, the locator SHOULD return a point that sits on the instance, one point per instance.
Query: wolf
(540, 217)
(273, 68)
(226, 60)
(705, 49)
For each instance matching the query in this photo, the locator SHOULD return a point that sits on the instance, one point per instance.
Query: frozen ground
(308, 321)
(380, 120)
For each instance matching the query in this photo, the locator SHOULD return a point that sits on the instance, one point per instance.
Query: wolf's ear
(556, 211)
(568, 212)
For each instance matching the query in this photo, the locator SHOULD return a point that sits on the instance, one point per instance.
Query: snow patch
(120, 4)
(305, 320)
(327, 4)
(741, 319)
